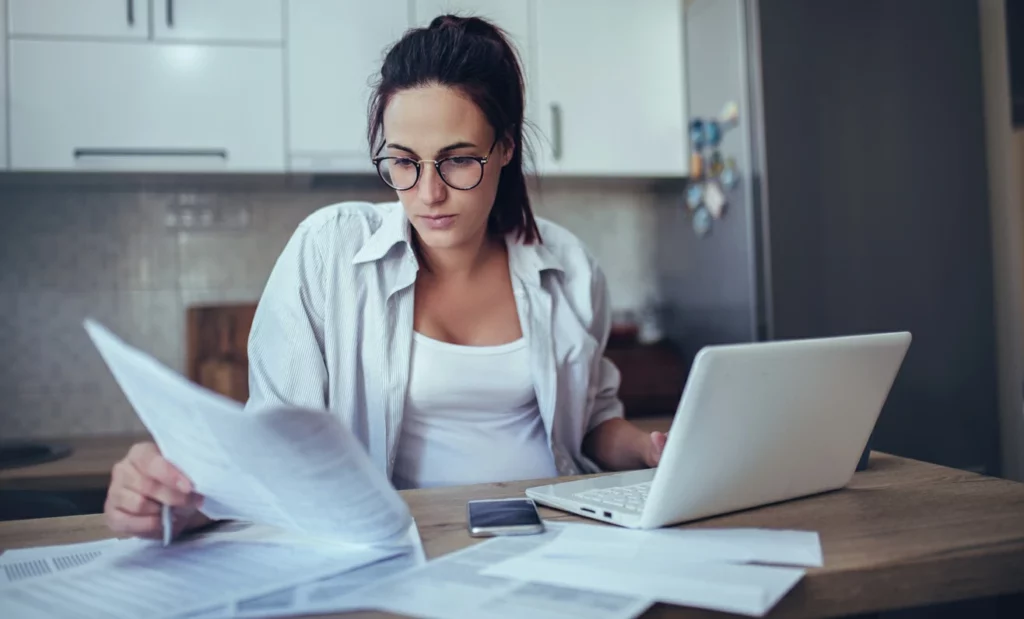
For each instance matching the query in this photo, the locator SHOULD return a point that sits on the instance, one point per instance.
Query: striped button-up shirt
(334, 328)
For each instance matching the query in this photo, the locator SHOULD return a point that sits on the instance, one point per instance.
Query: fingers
(131, 478)
(140, 484)
(132, 502)
(148, 460)
(122, 522)
(658, 441)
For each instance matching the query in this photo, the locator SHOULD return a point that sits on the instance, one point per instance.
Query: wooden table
(903, 534)
(87, 468)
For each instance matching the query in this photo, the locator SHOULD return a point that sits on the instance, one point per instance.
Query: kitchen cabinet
(109, 19)
(335, 48)
(512, 17)
(233, 21)
(611, 88)
(240, 21)
(93, 105)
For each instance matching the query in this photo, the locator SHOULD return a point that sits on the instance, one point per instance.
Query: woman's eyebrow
(456, 146)
(446, 149)
(400, 147)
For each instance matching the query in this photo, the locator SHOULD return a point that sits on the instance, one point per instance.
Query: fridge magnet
(712, 176)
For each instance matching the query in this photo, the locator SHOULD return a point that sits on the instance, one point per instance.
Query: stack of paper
(297, 469)
(325, 509)
(461, 585)
(714, 569)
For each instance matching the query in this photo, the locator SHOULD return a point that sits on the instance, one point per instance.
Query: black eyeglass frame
(437, 166)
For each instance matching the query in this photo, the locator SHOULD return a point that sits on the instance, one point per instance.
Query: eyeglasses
(462, 172)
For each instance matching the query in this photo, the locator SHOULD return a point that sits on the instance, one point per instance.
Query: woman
(461, 339)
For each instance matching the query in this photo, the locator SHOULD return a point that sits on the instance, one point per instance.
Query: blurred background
(742, 170)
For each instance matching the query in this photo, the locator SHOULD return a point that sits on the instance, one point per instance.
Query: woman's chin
(440, 239)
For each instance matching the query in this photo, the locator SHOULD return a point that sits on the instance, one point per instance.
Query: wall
(879, 208)
(72, 251)
(1005, 171)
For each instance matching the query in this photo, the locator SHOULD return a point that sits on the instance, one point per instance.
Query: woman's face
(434, 122)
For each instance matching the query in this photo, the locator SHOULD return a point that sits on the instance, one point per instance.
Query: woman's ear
(508, 148)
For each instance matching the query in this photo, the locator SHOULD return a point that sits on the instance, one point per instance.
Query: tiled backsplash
(106, 252)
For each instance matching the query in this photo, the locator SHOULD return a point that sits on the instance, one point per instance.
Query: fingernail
(184, 486)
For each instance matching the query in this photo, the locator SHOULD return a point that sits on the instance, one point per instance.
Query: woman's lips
(438, 222)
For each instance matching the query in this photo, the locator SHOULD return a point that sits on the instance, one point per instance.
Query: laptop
(757, 424)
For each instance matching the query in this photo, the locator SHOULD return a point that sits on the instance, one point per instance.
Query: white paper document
(154, 581)
(297, 469)
(706, 569)
(671, 546)
(456, 586)
(325, 595)
(745, 589)
(30, 563)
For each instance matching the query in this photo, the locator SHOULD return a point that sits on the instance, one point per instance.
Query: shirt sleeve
(286, 342)
(605, 377)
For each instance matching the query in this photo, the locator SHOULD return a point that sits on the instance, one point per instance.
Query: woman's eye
(462, 161)
(403, 164)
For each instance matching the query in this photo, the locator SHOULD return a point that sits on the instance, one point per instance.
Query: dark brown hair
(474, 56)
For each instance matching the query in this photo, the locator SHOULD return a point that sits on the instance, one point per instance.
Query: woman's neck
(460, 262)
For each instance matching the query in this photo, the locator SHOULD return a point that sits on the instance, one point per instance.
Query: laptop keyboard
(626, 498)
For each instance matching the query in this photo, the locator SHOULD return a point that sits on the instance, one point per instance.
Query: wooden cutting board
(216, 348)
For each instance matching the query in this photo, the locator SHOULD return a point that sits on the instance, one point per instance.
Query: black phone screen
(505, 513)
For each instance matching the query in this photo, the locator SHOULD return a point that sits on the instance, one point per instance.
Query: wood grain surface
(903, 533)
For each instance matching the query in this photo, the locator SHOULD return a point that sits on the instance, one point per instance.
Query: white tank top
(470, 417)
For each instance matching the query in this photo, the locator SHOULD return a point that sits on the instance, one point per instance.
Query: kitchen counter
(87, 468)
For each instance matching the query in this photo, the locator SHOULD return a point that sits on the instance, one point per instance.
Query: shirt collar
(394, 229)
(525, 261)
(529, 261)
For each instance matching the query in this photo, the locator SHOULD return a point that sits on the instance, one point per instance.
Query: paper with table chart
(28, 563)
(703, 568)
(297, 469)
(154, 581)
(456, 585)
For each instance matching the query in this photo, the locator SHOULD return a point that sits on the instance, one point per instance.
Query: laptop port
(587, 509)
(607, 514)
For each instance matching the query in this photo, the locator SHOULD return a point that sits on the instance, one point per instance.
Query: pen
(166, 523)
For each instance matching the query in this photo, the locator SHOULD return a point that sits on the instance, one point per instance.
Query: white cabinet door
(243, 21)
(334, 49)
(610, 78)
(513, 16)
(114, 19)
(183, 108)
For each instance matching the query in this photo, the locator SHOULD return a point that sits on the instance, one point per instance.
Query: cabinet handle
(169, 5)
(556, 131)
(218, 153)
(131, 13)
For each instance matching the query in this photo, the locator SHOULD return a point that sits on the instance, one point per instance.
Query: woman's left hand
(618, 445)
(655, 446)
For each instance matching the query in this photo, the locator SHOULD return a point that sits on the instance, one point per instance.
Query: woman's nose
(432, 189)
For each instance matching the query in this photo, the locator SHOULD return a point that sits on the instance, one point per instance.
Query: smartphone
(492, 517)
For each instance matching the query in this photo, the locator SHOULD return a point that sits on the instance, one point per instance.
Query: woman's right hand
(140, 484)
